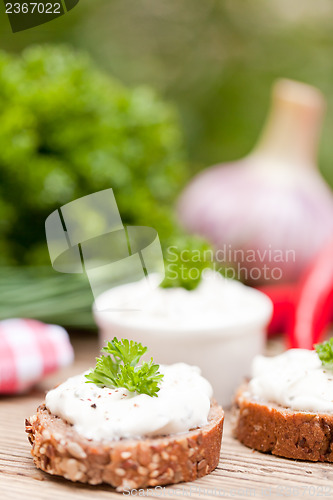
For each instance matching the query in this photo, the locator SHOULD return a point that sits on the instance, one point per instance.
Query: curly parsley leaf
(126, 351)
(325, 353)
(143, 379)
(119, 368)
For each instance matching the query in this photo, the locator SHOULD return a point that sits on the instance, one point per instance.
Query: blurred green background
(214, 61)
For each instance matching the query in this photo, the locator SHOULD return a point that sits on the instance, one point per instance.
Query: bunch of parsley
(325, 353)
(69, 129)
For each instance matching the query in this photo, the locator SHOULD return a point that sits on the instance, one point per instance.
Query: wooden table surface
(241, 473)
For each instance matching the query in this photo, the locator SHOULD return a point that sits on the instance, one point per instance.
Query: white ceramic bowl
(223, 347)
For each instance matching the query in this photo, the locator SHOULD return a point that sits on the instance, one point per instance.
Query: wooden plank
(242, 473)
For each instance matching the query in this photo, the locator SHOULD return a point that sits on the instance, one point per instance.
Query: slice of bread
(128, 463)
(282, 431)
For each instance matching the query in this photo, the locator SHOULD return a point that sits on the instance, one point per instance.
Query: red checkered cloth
(29, 350)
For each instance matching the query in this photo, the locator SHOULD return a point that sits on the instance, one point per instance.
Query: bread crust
(281, 431)
(128, 463)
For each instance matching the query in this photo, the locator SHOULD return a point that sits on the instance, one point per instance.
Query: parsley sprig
(119, 368)
(325, 353)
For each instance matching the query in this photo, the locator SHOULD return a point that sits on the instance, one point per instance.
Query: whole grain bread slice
(282, 431)
(128, 463)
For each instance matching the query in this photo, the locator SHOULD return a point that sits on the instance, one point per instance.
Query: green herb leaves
(185, 259)
(119, 368)
(325, 353)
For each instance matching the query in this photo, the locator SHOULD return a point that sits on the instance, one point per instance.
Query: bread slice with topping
(59, 449)
(288, 433)
(128, 425)
(287, 407)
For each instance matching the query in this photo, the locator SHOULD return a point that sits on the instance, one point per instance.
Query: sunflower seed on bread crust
(128, 463)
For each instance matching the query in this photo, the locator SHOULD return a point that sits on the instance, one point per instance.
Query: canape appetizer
(287, 407)
(128, 425)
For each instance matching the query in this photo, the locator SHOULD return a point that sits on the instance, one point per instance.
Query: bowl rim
(106, 319)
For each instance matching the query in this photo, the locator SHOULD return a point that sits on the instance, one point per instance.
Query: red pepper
(305, 310)
(314, 305)
(284, 301)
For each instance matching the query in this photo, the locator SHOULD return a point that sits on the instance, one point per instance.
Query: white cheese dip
(295, 379)
(183, 403)
(216, 302)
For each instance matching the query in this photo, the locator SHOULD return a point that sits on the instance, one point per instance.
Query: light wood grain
(242, 473)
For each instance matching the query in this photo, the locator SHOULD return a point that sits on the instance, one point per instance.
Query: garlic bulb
(269, 213)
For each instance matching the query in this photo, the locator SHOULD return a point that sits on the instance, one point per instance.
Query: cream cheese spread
(295, 379)
(183, 403)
